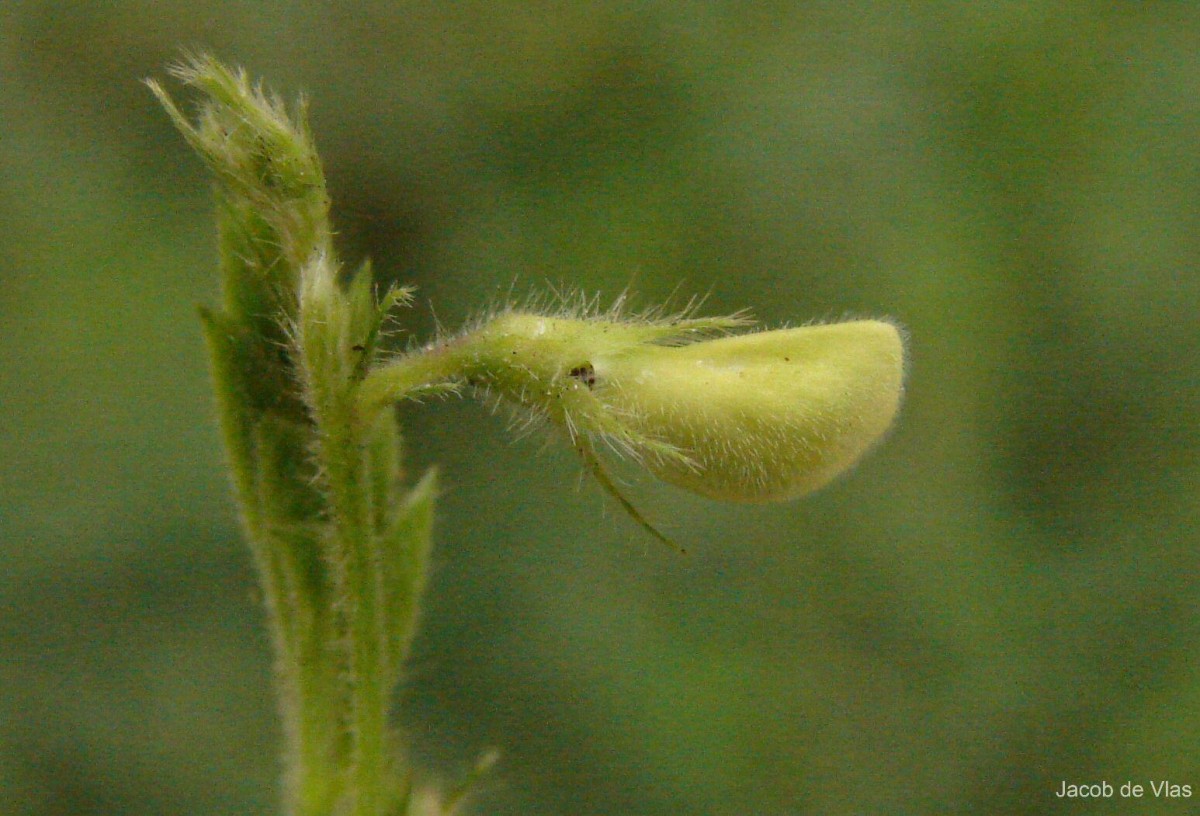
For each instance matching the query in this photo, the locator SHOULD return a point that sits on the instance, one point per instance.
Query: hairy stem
(340, 549)
(342, 453)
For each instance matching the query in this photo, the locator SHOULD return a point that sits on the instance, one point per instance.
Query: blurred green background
(1003, 597)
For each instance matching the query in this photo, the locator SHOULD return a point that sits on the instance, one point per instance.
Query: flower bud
(757, 417)
(760, 417)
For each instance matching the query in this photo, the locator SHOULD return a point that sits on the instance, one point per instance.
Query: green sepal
(404, 548)
(591, 461)
(384, 470)
(291, 505)
(369, 316)
(227, 343)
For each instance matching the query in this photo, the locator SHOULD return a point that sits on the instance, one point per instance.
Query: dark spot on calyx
(584, 373)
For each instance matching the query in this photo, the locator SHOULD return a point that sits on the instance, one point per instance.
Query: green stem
(350, 499)
(435, 368)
